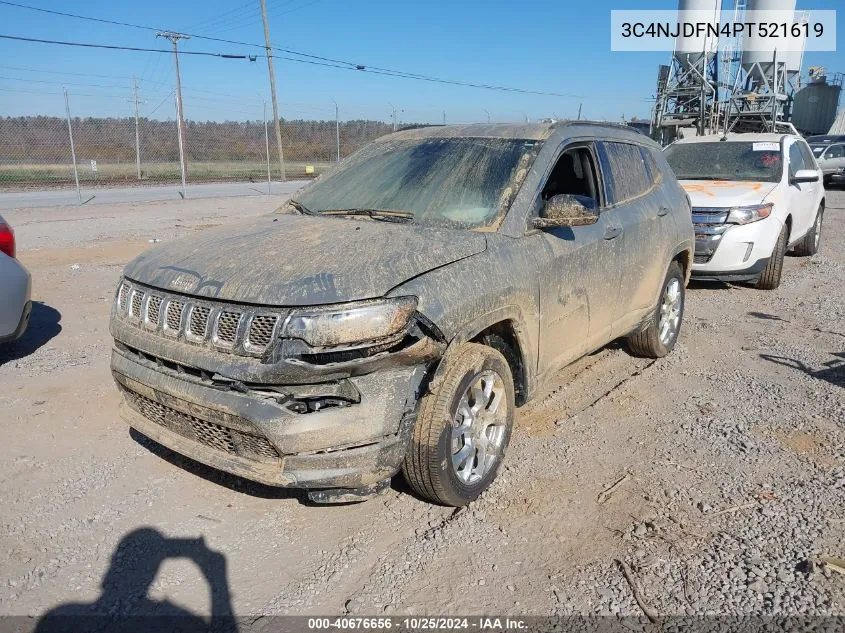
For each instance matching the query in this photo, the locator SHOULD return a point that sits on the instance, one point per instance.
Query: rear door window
(624, 171)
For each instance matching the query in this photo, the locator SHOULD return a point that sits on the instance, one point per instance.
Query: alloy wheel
(478, 428)
(670, 311)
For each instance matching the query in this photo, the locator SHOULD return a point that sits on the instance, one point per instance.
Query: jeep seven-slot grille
(227, 327)
(211, 324)
(261, 330)
(153, 310)
(217, 436)
(135, 304)
(174, 315)
(122, 297)
(198, 325)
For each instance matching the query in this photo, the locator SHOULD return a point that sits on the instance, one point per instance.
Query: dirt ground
(729, 453)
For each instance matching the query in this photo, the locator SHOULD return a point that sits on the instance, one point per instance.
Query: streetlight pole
(180, 119)
(488, 115)
(337, 128)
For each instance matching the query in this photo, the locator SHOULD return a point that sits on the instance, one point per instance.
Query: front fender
(468, 296)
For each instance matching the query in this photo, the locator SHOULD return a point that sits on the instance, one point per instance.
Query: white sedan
(754, 197)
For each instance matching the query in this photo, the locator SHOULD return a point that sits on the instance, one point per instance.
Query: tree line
(45, 140)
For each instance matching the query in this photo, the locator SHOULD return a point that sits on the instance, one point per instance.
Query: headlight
(351, 323)
(744, 215)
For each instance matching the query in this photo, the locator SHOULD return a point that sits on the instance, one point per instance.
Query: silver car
(395, 314)
(15, 304)
(831, 159)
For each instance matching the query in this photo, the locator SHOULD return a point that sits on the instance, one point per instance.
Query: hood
(295, 260)
(726, 193)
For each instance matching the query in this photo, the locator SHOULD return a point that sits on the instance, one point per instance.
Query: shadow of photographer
(124, 605)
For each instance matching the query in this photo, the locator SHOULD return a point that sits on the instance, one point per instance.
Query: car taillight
(7, 240)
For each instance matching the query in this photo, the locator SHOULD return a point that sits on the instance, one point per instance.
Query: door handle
(612, 232)
(663, 211)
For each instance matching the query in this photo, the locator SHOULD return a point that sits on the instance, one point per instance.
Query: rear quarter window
(625, 171)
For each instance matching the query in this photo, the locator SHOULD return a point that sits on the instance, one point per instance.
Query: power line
(118, 48)
(161, 103)
(59, 72)
(220, 18)
(60, 83)
(327, 60)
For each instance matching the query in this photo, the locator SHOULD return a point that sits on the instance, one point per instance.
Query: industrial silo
(758, 61)
(690, 51)
(815, 105)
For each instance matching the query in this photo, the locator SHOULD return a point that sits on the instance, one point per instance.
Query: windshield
(818, 149)
(728, 160)
(452, 182)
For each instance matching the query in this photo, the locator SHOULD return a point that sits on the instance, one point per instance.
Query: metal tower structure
(766, 81)
(687, 94)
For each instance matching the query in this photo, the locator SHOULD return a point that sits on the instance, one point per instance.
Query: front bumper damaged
(341, 426)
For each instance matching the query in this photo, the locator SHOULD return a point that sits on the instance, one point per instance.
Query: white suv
(754, 197)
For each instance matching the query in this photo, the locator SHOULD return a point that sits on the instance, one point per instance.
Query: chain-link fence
(38, 152)
(122, 138)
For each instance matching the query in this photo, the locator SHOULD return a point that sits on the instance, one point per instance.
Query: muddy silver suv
(394, 314)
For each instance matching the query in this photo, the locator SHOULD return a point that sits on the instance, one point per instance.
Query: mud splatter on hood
(295, 260)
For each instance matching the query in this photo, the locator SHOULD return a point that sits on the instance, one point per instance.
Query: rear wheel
(809, 245)
(770, 278)
(661, 332)
(463, 428)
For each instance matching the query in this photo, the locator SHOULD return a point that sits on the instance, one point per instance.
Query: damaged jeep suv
(396, 312)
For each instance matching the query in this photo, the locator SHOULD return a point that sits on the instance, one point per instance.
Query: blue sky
(548, 46)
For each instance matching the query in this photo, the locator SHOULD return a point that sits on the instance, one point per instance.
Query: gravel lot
(730, 452)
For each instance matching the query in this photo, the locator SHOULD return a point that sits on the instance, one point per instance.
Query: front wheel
(664, 324)
(809, 244)
(770, 277)
(463, 428)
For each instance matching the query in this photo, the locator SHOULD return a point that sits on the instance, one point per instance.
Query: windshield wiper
(301, 207)
(387, 215)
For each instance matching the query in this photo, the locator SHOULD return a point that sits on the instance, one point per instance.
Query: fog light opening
(748, 252)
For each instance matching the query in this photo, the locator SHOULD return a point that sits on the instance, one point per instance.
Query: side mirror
(567, 210)
(804, 175)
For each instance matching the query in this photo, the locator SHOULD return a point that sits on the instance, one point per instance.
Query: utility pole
(393, 108)
(579, 110)
(180, 118)
(444, 117)
(268, 48)
(337, 128)
(488, 115)
(137, 134)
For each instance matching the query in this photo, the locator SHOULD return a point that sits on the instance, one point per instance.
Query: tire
(770, 277)
(441, 463)
(666, 318)
(809, 244)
